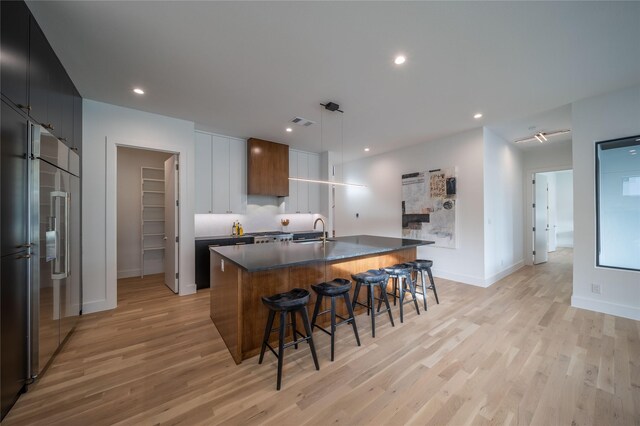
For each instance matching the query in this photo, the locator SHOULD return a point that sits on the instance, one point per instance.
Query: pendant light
(333, 107)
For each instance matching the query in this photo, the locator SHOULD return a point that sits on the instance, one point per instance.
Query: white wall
(543, 158)
(104, 128)
(610, 116)
(564, 208)
(379, 205)
(503, 204)
(129, 243)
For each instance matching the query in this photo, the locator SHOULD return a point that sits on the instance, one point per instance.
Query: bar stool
(372, 278)
(290, 302)
(401, 276)
(422, 266)
(333, 289)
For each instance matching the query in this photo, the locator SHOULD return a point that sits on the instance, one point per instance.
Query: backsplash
(263, 214)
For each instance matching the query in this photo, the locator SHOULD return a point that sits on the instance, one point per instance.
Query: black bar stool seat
(290, 302)
(291, 299)
(402, 283)
(421, 266)
(338, 287)
(372, 278)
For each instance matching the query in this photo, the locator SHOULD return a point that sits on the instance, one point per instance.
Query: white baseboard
(128, 273)
(187, 289)
(505, 272)
(96, 306)
(464, 279)
(618, 310)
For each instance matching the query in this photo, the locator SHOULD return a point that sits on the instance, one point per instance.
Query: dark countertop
(261, 257)
(224, 237)
(250, 235)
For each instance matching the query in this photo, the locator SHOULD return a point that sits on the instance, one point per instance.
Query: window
(618, 203)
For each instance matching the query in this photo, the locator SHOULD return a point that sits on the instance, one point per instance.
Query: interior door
(540, 219)
(171, 227)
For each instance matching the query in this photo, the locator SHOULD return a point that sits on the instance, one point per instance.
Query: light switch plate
(222, 265)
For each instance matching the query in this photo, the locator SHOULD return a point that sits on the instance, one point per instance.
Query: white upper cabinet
(221, 170)
(304, 197)
(237, 175)
(203, 183)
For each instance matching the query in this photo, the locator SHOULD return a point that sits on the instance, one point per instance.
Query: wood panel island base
(241, 275)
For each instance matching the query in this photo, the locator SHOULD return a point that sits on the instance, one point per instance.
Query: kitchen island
(242, 274)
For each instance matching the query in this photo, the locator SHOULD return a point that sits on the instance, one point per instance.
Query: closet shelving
(151, 214)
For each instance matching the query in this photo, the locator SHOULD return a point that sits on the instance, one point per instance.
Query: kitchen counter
(262, 257)
(241, 275)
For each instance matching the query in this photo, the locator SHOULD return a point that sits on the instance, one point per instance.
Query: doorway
(552, 214)
(147, 216)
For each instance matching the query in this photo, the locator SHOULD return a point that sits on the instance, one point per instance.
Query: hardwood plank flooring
(514, 353)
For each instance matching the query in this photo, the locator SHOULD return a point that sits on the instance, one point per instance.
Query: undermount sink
(318, 241)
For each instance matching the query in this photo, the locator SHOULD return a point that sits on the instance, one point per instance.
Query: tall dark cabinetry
(14, 263)
(15, 52)
(35, 89)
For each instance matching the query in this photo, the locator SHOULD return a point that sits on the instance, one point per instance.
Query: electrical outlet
(596, 289)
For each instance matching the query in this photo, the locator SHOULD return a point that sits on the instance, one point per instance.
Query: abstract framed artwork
(429, 206)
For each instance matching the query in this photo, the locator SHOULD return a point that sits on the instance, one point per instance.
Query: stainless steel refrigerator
(55, 284)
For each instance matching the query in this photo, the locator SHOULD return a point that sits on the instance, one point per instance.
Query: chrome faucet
(324, 237)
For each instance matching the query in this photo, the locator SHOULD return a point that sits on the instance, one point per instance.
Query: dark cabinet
(14, 329)
(13, 181)
(51, 91)
(14, 44)
(203, 259)
(77, 123)
(65, 105)
(39, 56)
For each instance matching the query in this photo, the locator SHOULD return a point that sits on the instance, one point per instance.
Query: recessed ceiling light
(289, 129)
(478, 115)
(138, 90)
(399, 60)
(367, 149)
(632, 150)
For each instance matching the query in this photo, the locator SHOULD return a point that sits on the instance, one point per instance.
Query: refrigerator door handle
(65, 197)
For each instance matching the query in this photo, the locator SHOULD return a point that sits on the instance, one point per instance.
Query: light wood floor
(515, 353)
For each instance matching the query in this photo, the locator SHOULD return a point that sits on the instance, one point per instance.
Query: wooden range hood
(267, 168)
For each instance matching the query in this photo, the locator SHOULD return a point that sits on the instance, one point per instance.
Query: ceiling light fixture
(367, 149)
(328, 182)
(289, 129)
(333, 107)
(399, 60)
(138, 90)
(542, 136)
(477, 116)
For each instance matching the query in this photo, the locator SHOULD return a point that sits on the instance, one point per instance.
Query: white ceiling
(246, 68)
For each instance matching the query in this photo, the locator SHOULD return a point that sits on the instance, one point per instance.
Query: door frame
(528, 210)
(111, 213)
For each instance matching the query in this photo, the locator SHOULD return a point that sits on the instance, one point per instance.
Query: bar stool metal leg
(383, 290)
(283, 323)
(371, 303)
(353, 317)
(333, 324)
(433, 285)
(316, 310)
(307, 327)
(267, 332)
(294, 329)
(424, 288)
(412, 289)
